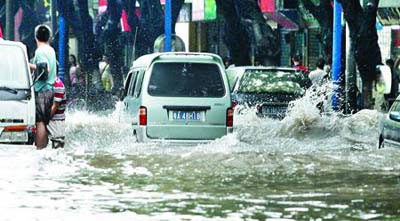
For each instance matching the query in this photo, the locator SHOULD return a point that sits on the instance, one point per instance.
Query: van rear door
(187, 101)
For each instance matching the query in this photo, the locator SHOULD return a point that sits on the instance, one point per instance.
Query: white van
(17, 98)
(178, 97)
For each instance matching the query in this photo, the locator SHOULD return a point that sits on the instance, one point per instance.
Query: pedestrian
(106, 76)
(44, 82)
(378, 93)
(56, 126)
(318, 78)
(1, 33)
(297, 64)
(319, 75)
(74, 77)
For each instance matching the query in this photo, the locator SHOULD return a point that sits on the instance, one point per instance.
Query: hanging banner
(210, 10)
(315, 2)
(185, 13)
(102, 6)
(198, 10)
(267, 5)
(124, 22)
(396, 38)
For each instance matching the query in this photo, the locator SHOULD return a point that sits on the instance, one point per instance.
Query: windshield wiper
(13, 91)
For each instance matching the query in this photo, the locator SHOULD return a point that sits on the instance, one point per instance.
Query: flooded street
(305, 167)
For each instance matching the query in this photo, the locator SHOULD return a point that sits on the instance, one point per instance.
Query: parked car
(178, 96)
(390, 133)
(17, 98)
(269, 89)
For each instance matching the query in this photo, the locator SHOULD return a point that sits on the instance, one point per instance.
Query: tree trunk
(113, 47)
(247, 31)
(235, 38)
(324, 15)
(365, 41)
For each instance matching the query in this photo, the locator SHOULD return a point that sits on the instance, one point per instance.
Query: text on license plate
(186, 115)
(274, 109)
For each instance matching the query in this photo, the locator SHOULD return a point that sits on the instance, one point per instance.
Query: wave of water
(306, 166)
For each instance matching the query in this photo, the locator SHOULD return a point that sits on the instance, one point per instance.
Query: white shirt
(317, 75)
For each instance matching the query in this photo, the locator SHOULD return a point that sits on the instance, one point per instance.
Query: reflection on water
(305, 167)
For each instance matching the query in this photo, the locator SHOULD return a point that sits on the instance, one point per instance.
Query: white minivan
(17, 98)
(178, 97)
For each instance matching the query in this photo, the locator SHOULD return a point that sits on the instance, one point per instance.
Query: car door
(392, 125)
(135, 101)
(128, 96)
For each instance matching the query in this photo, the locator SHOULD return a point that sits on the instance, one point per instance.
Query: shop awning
(284, 19)
(389, 16)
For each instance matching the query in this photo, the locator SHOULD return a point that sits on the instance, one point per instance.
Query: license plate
(186, 115)
(273, 110)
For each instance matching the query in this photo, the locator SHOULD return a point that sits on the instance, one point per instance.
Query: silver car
(268, 89)
(178, 96)
(390, 134)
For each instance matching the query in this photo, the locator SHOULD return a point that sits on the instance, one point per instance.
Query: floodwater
(305, 167)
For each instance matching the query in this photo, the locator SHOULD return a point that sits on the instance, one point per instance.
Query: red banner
(396, 38)
(124, 22)
(267, 5)
(102, 6)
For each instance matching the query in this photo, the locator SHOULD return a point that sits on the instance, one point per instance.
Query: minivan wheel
(31, 139)
(135, 135)
(381, 143)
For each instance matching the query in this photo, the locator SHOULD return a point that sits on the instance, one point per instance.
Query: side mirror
(386, 77)
(121, 93)
(394, 116)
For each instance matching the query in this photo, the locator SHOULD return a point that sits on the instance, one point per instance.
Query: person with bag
(45, 69)
(106, 76)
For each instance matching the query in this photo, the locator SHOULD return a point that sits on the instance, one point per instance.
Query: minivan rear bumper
(17, 134)
(141, 135)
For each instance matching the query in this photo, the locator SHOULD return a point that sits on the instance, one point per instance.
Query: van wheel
(31, 139)
(381, 143)
(135, 135)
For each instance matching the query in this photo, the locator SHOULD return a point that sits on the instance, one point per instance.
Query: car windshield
(13, 68)
(271, 81)
(395, 107)
(186, 80)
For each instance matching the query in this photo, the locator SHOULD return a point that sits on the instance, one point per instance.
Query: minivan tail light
(142, 116)
(229, 117)
(15, 128)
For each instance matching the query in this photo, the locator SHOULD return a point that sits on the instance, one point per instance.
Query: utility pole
(168, 25)
(62, 41)
(9, 30)
(336, 54)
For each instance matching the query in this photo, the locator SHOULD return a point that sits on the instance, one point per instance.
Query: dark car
(390, 134)
(269, 89)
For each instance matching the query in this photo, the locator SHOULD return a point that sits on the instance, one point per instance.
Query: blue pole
(61, 47)
(336, 54)
(168, 25)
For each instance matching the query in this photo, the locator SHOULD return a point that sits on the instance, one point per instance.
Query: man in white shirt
(318, 75)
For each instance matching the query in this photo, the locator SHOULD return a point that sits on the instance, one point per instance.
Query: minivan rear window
(13, 67)
(186, 80)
